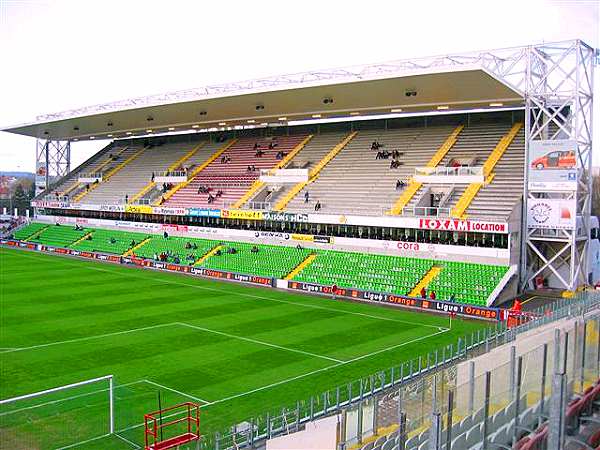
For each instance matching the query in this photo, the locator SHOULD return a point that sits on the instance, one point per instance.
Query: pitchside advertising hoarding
(417, 303)
(552, 165)
(551, 213)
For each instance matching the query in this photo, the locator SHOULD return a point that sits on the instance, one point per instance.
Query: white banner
(551, 214)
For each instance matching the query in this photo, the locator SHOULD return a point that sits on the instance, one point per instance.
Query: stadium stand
(381, 273)
(135, 172)
(311, 153)
(345, 180)
(583, 427)
(174, 248)
(267, 261)
(358, 182)
(471, 191)
(69, 186)
(500, 197)
(58, 235)
(457, 281)
(229, 174)
(471, 148)
(29, 230)
(108, 241)
(200, 159)
(467, 282)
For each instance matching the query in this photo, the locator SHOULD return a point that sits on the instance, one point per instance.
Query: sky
(61, 54)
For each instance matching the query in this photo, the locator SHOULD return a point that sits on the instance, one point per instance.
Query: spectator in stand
(400, 185)
(256, 146)
(152, 176)
(112, 240)
(248, 169)
(166, 235)
(318, 206)
(194, 246)
(432, 295)
(155, 257)
(423, 293)
(188, 245)
(126, 198)
(452, 299)
(132, 244)
(306, 197)
(254, 249)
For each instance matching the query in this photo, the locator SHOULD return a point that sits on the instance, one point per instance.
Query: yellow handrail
(195, 172)
(257, 185)
(414, 186)
(314, 173)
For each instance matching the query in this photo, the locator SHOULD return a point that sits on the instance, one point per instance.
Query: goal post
(59, 417)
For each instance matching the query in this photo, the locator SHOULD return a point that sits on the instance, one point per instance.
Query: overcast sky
(57, 55)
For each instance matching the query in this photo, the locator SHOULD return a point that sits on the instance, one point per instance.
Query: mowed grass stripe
(76, 303)
(213, 288)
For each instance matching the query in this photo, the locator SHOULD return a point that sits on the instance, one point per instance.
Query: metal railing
(428, 211)
(292, 417)
(91, 175)
(449, 171)
(171, 173)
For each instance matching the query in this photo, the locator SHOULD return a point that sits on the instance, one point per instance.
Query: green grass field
(239, 351)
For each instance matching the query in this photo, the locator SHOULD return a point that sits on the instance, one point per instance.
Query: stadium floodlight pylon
(45, 419)
(558, 105)
(52, 162)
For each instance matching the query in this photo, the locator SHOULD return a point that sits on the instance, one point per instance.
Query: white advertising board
(551, 214)
(552, 165)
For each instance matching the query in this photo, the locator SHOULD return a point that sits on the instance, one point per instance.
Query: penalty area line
(183, 394)
(88, 338)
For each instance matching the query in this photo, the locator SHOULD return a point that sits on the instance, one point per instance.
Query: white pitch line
(176, 391)
(99, 336)
(127, 441)
(77, 444)
(278, 383)
(254, 341)
(241, 294)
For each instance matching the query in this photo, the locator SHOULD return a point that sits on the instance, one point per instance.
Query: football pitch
(238, 351)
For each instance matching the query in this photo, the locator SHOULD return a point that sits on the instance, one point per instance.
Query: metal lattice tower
(52, 162)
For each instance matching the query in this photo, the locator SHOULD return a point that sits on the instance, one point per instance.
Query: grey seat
(380, 441)
(499, 420)
(474, 435)
(368, 446)
(389, 444)
(460, 442)
(478, 416)
(412, 442)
